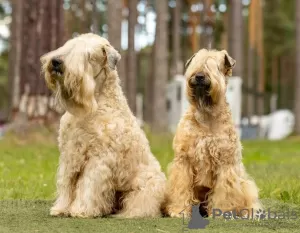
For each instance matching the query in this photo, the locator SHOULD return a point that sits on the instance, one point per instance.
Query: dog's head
(77, 69)
(206, 73)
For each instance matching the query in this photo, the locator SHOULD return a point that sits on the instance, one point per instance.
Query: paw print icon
(260, 214)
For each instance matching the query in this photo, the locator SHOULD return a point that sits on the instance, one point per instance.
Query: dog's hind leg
(180, 194)
(146, 196)
(234, 190)
(94, 190)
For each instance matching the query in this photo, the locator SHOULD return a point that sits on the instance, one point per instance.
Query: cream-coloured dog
(208, 167)
(105, 163)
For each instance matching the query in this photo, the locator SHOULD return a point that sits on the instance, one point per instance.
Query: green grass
(32, 216)
(28, 167)
(275, 166)
(27, 171)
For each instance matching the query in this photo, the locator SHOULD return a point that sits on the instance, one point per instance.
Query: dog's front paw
(79, 215)
(84, 214)
(78, 212)
(119, 215)
(175, 215)
(54, 211)
(81, 211)
(179, 214)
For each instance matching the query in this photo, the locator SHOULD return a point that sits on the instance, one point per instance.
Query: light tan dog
(105, 163)
(208, 167)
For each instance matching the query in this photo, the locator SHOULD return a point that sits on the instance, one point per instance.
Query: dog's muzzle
(201, 86)
(56, 67)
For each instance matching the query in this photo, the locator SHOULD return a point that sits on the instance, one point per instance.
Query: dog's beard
(78, 99)
(64, 97)
(201, 93)
(61, 97)
(202, 96)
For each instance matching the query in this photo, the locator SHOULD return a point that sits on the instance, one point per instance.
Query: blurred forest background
(155, 38)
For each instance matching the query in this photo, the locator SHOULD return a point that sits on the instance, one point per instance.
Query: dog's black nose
(200, 78)
(56, 63)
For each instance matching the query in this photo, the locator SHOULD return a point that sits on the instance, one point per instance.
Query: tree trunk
(274, 83)
(160, 68)
(224, 37)
(69, 22)
(177, 66)
(131, 57)
(193, 22)
(15, 56)
(251, 53)
(29, 61)
(40, 29)
(61, 25)
(261, 58)
(95, 18)
(85, 21)
(297, 85)
(236, 35)
(45, 43)
(208, 21)
(114, 22)
(12, 55)
(193, 37)
(203, 40)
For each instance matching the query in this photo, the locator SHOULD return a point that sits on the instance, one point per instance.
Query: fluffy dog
(207, 167)
(105, 163)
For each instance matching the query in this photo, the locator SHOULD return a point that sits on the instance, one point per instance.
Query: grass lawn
(27, 185)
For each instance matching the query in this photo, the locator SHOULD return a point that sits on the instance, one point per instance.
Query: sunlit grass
(275, 166)
(28, 166)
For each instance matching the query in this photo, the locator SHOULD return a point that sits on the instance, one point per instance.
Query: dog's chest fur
(90, 130)
(207, 147)
(207, 144)
(105, 135)
(102, 135)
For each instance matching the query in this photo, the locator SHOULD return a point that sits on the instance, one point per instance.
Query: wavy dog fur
(105, 163)
(207, 167)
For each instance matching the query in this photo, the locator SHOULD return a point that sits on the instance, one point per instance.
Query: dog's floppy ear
(112, 56)
(189, 61)
(229, 61)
